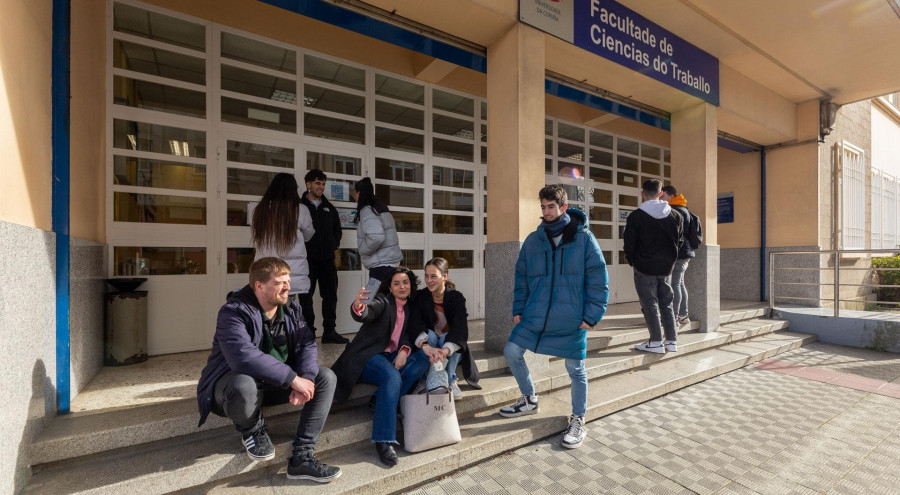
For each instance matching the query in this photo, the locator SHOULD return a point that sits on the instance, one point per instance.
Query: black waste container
(126, 323)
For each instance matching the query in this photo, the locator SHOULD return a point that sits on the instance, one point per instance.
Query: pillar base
(702, 281)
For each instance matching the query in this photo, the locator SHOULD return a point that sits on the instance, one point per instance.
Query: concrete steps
(158, 449)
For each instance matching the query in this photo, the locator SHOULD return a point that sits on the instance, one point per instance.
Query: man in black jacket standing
(653, 236)
(320, 253)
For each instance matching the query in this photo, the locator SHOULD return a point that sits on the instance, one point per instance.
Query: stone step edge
(59, 448)
(422, 467)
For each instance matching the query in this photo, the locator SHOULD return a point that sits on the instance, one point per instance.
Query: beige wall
(739, 174)
(25, 57)
(793, 196)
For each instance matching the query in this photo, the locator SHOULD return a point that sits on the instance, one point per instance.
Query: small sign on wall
(725, 207)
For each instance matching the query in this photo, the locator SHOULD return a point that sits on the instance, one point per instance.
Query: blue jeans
(656, 297)
(681, 295)
(515, 359)
(452, 360)
(392, 383)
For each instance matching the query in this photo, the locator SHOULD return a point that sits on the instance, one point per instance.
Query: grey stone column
(702, 281)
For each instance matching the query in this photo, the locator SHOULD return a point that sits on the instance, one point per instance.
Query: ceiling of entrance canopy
(846, 50)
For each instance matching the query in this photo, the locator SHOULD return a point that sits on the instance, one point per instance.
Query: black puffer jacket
(327, 223)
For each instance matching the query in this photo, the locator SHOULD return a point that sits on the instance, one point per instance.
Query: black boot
(387, 454)
(329, 336)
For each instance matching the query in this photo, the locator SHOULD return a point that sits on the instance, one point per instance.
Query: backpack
(694, 234)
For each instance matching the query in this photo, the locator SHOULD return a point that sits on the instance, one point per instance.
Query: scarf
(556, 227)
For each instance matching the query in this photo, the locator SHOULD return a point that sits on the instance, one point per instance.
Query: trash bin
(126, 323)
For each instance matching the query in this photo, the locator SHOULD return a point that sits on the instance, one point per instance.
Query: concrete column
(695, 174)
(515, 98)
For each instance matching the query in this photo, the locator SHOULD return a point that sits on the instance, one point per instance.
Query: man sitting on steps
(263, 353)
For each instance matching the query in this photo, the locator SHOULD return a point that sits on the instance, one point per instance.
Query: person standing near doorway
(680, 304)
(320, 253)
(376, 233)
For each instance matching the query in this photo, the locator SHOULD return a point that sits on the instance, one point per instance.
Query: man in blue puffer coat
(561, 292)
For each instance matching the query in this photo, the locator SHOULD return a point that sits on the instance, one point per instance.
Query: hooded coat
(679, 204)
(377, 240)
(653, 237)
(557, 288)
(296, 258)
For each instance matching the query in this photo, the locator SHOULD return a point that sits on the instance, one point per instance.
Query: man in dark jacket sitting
(264, 354)
(653, 237)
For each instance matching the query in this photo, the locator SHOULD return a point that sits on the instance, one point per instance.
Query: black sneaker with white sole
(259, 445)
(305, 466)
(527, 404)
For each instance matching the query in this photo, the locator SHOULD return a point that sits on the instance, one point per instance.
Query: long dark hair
(386, 281)
(274, 224)
(442, 266)
(366, 192)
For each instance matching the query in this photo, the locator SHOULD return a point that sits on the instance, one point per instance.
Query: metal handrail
(836, 284)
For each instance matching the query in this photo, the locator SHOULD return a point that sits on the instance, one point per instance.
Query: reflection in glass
(408, 221)
(452, 126)
(391, 113)
(452, 177)
(602, 231)
(399, 89)
(570, 132)
(334, 101)
(629, 200)
(571, 170)
(236, 213)
(138, 136)
(454, 150)
(248, 182)
(258, 84)
(452, 224)
(158, 208)
(601, 139)
(450, 200)
(483, 133)
(413, 258)
(453, 103)
(347, 260)
(574, 193)
(399, 170)
(256, 115)
(393, 195)
(160, 27)
(131, 260)
(629, 180)
(600, 214)
(330, 128)
(569, 151)
(260, 154)
(129, 171)
(333, 164)
(601, 175)
(158, 62)
(456, 258)
(393, 139)
(238, 260)
(334, 72)
(256, 52)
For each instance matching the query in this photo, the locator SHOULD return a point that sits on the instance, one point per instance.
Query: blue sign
(725, 207)
(614, 32)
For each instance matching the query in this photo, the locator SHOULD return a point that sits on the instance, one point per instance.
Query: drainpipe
(763, 272)
(60, 92)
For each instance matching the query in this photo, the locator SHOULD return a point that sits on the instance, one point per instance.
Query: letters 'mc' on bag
(429, 421)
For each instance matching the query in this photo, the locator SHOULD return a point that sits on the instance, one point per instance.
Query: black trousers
(325, 274)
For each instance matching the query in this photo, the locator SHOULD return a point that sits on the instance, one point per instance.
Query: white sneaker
(671, 346)
(574, 433)
(454, 387)
(524, 406)
(652, 346)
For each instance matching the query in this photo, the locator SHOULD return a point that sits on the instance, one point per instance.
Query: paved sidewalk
(754, 430)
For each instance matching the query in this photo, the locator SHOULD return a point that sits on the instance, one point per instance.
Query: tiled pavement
(749, 431)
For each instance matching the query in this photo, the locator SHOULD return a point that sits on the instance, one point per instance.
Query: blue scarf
(556, 227)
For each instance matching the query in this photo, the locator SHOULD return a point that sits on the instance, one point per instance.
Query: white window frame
(853, 196)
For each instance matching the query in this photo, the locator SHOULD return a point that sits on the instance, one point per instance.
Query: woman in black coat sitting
(381, 354)
(442, 327)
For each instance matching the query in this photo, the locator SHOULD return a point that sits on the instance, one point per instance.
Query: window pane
(483, 133)
(598, 157)
(130, 261)
(548, 127)
(399, 171)
(399, 140)
(570, 132)
(259, 84)
(453, 177)
(548, 146)
(413, 258)
(601, 139)
(569, 151)
(448, 200)
(667, 171)
(622, 259)
(407, 221)
(159, 208)
(601, 231)
(629, 200)
(334, 72)
(627, 163)
(347, 260)
(337, 129)
(260, 154)
(601, 175)
(399, 115)
(452, 224)
(607, 257)
(600, 214)
(236, 213)
(603, 196)
(157, 138)
(456, 258)
(141, 172)
(627, 146)
(251, 182)
(400, 196)
(151, 96)
(548, 166)
(571, 170)
(239, 260)
(484, 110)
(333, 164)
(401, 90)
(163, 63)
(453, 150)
(484, 155)
(453, 103)
(154, 26)
(651, 168)
(667, 156)
(574, 193)
(453, 127)
(258, 53)
(256, 115)
(334, 101)
(648, 151)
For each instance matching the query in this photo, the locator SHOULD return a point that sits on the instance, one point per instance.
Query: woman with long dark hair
(381, 354)
(280, 227)
(376, 234)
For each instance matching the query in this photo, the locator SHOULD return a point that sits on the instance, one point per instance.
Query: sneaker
(671, 346)
(681, 320)
(259, 445)
(305, 466)
(457, 393)
(527, 404)
(651, 346)
(332, 337)
(574, 433)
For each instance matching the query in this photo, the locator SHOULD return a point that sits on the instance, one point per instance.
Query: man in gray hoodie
(653, 236)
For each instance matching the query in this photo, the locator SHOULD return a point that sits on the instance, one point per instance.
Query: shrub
(885, 277)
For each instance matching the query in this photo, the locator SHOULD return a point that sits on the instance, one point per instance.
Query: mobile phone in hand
(372, 286)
